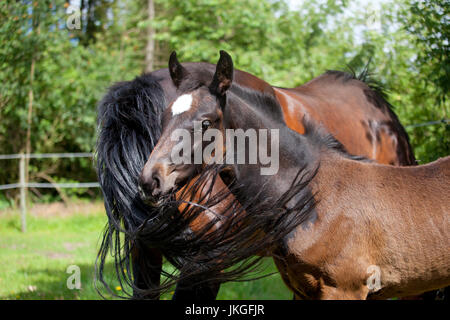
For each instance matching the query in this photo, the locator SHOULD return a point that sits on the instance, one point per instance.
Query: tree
(150, 48)
(429, 22)
(51, 85)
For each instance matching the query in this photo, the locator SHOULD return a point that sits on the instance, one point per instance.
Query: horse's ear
(177, 71)
(224, 74)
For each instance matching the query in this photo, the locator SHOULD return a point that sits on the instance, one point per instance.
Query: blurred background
(57, 59)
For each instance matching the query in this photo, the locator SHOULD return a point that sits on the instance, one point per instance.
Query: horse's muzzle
(146, 196)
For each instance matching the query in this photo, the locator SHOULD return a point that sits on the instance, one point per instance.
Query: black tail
(129, 127)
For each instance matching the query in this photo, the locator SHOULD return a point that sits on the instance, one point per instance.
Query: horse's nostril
(144, 188)
(152, 182)
(156, 182)
(147, 192)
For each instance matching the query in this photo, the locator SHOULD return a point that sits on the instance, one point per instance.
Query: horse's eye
(206, 124)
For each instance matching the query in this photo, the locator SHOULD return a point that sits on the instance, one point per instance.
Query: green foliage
(69, 79)
(429, 21)
(266, 38)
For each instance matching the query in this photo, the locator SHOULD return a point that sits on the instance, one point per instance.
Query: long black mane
(129, 128)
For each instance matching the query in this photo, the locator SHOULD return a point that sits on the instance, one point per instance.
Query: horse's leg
(147, 268)
(189, 291)
(147, 271)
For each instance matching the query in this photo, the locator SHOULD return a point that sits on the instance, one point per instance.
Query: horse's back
(411, 219)
(393, 218)
(358, 116)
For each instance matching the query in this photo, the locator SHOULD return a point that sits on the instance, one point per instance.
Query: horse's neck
(295, 151)
(247, 108)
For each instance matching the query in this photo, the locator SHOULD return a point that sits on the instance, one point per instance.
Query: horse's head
(195, 116)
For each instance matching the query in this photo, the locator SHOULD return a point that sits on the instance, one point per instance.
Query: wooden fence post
(23, 200)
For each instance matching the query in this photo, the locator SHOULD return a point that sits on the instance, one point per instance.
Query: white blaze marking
(182, 104)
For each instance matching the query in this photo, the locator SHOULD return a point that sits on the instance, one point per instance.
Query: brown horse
(129, 119)
(368, 217)
(372, 221)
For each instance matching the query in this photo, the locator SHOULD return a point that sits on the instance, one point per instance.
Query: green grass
(33, 264)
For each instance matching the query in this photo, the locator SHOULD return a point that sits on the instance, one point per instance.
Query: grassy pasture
(33, 265)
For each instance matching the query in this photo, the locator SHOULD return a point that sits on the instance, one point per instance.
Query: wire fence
(50, 185)
(23, 184)
(428, 123)
(47, 156)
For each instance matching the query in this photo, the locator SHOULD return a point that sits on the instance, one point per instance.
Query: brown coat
(373, 217)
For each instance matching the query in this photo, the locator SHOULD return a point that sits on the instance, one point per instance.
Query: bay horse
(130, 125)
(366, 216)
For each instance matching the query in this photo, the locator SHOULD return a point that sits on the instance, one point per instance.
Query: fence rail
(50, 185)
(46, 155)
(428, 123)
(23, 185)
